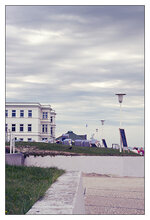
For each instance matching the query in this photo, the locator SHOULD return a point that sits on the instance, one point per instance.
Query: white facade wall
(37, 121)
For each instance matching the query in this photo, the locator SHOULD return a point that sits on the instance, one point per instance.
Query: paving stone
(114, 195)
(97, 210)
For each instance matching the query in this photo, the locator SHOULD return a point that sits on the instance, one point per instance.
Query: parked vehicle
(135, 150)
(141, 151)
(95, 143)
(65, 136)
(138, 150)
(51, 141)
(78, 143)
(58, 142)
(67, 142)
(86, 143)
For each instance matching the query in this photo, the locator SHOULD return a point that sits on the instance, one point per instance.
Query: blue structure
(104, 143)
(123, 137)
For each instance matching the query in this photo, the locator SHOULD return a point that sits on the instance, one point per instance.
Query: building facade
(30, 121)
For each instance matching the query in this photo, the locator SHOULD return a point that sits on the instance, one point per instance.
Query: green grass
(76, 149)
(25, 185)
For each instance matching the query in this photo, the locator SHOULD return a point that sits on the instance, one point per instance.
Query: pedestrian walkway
(110, 195)
(64, 197)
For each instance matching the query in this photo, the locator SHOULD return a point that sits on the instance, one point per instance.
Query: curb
(65, 196)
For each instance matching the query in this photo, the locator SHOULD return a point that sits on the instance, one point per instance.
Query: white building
(30, 121)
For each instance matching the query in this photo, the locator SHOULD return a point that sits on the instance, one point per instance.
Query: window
(21, 127)
(20, 139)
(13, 113)
(6, 113)
(21, 113)
(6, 127)
(29, 127)
(51, 130)
(13, 127)
(51, 119)
(45, 115)
(29, 139)
(44, 128)
(29, 113)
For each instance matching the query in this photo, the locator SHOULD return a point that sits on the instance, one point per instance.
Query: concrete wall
(120, 166)
(65, 196)
(14, 159)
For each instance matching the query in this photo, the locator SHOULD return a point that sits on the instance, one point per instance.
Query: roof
(37, 104)
(74, 136)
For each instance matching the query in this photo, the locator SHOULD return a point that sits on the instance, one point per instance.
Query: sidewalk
(64, 197)
(106, 195)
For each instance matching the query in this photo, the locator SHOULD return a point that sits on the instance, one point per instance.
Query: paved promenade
(110, 195)
(64, 197)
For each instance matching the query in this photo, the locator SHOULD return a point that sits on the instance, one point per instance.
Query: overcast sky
(76, 58)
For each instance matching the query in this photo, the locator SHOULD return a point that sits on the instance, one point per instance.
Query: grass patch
(76, 149)
(25, 185)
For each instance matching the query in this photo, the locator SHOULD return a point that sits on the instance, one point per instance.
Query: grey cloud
(24, 14)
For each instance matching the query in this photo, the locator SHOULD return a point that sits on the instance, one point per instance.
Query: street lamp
(86, 131)
(102, 121)
(120, 99)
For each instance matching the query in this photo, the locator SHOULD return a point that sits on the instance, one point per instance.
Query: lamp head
(120, 97)
(102, 122)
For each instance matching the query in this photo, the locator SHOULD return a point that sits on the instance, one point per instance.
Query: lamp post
(102, 121)
(86, 131)
(120, 99)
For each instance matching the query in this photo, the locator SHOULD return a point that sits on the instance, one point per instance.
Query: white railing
(12, 144)
(11, 138)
